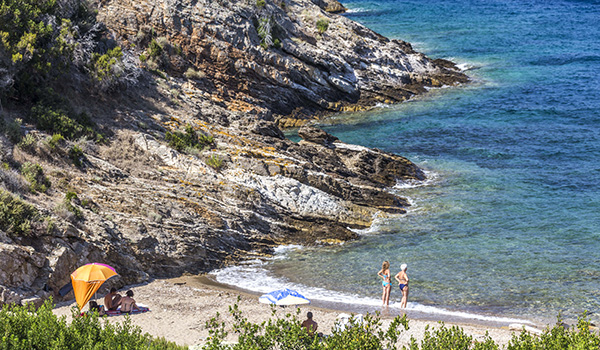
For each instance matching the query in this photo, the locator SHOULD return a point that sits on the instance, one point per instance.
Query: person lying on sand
(94, 307)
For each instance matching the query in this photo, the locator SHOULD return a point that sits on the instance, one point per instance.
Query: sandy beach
(181, 306)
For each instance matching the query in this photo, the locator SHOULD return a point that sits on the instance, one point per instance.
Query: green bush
(69, 197)
(214, 162)
(322, 25)
(286, 332)
(264, 31)
(76, 155)
(103, 66)
(16, 216)
(191, 73)
(13, 131)
(188, 139)
(60, 121)
(55, 140)
(27, 143)
(558, 337)
(155, 49)
(260, 3)
(34, 173)
(25, 327)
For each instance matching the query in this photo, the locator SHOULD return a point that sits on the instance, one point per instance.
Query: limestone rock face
(308, 69)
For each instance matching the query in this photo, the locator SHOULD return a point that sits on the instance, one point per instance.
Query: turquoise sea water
(509, 223)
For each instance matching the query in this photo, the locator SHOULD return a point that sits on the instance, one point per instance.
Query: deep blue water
(509, 224)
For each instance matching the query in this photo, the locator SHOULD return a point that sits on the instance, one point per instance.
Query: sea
(507, 227)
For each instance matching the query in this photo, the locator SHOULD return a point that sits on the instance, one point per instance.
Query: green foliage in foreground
(28, 328)
(285, 332)
(16, 216)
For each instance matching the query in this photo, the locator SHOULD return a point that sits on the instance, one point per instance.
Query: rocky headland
(236, 73)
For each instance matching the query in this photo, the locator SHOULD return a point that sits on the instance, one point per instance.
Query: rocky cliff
(233, 71)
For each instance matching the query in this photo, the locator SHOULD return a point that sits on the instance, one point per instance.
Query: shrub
(214, 162)
(34, 173)
(286, 332)
(54, 141)
(27, 143)
(322, 25)
(143, 58)
(12, 179)
(76, 155)
(264, 32)
(25, 327)
(190, 139)
(13, 130)
(191, 73)
(58, 121)
(155, 49)
(260, 3)
(108, 68)
(69, 197)
(16, 216)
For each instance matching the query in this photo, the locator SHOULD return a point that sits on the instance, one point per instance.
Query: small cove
(508, 225)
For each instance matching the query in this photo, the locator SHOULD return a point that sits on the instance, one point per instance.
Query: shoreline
(180, 307)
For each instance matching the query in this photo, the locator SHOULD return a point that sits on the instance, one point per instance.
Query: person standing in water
(402, 279)
(385, 274)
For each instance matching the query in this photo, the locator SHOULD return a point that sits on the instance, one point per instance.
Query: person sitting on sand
(309, 324)
(386, 275)
(402, 279)
(112, 300)
(128, 303)
(94, 307)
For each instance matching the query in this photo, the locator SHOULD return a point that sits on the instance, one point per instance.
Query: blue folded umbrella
(284, 297)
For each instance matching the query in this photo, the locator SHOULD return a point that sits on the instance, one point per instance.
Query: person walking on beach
(385, 274)
(402, 279)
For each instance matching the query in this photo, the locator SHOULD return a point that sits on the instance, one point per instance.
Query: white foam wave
(282, 249)
(356, 11)
(254, 277)
(432, 177)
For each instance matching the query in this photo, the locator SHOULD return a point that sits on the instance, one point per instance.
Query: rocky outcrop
(332, 6)
(151, 211)
(314, 61)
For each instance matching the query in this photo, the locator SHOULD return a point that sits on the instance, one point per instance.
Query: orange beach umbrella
(87, 279)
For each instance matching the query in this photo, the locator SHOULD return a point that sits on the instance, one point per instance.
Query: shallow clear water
(509, 224)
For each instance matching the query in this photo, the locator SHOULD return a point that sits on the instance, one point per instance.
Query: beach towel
(118, 312)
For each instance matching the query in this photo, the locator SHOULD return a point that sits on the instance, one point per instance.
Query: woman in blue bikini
(385, 274)
(402, 279)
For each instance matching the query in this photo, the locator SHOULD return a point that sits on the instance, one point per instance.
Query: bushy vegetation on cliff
(24, 327)
(43, 45)
(287, 333)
